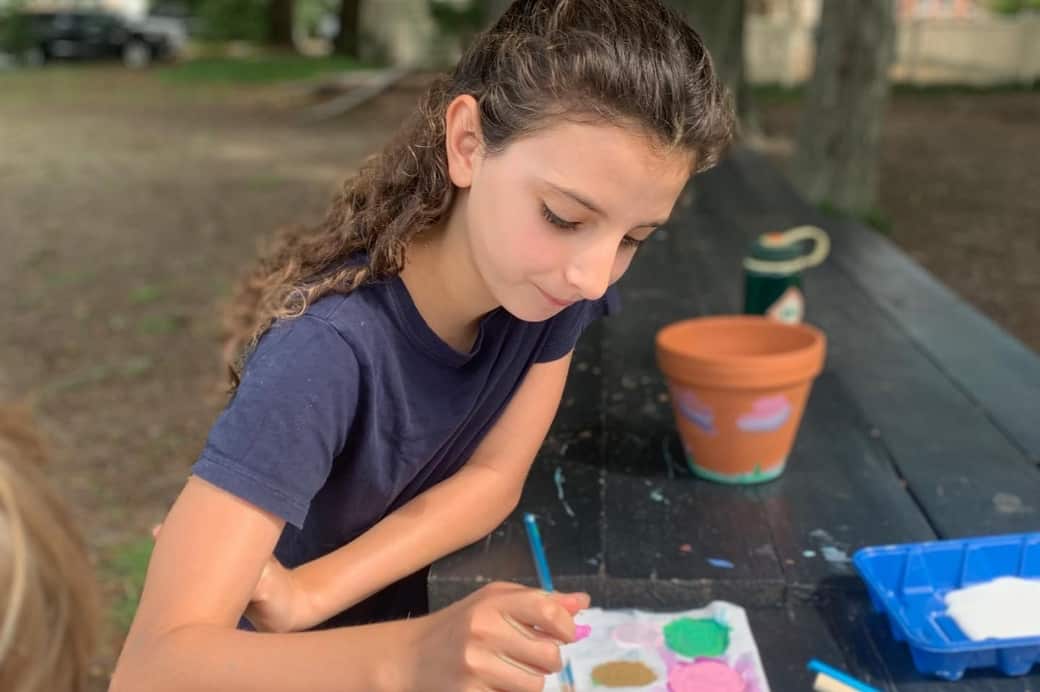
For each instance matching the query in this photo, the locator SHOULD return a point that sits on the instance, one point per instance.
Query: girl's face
(558, 215)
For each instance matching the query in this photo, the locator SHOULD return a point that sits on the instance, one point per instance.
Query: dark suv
(89, 35)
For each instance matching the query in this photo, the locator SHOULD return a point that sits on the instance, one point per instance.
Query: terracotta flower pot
(739, 386)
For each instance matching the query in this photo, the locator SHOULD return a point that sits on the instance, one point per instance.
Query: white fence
(981, 51)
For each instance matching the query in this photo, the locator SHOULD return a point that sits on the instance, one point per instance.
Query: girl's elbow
(125, 677)
(136, 665)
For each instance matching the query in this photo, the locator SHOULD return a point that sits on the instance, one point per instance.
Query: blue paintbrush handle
(844, 678)
(541, 565)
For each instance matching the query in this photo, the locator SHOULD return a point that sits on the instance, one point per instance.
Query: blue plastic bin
(909, 583)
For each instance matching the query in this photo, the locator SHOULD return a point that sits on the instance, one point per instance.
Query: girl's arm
(452, 514)
(203, 571)
(200, 577)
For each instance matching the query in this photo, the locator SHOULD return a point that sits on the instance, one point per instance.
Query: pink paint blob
(582, 631)
(636, 635)
(768, 413)
(668, 656)
(705, 676)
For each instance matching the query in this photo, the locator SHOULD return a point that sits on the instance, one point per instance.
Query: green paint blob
(692, 638)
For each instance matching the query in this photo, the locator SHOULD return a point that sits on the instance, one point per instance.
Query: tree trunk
(280, 23)
(348, 41)
(838, 141)
(721, 24)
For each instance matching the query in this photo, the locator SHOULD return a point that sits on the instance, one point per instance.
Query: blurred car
(92, 35)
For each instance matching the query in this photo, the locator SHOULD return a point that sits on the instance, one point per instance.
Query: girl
(48, 597)
(403, 362)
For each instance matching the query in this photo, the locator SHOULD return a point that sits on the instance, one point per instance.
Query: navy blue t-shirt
(356, 407)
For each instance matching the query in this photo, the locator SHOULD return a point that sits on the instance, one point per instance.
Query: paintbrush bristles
(825, 683)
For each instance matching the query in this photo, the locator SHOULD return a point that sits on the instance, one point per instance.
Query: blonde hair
(48, 597)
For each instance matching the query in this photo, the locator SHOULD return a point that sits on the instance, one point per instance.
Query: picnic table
(923, 425)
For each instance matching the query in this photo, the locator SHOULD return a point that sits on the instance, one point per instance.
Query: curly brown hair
(630, 62)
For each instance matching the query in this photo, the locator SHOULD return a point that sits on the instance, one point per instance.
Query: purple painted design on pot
(693, 410)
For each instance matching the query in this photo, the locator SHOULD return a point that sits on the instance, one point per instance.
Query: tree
(280, 23)
(348, 40)
(493, 9)
(721, 24)
(838, 140)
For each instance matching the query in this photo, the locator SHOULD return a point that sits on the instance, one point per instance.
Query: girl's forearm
(204, 658)
(459, 511)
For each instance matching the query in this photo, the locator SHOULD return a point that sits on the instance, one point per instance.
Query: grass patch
(256, 70)
(768, 94)
(148, 293)
(160, 324)
(875, 218)
(965, 89)
(771, 94)
(126, 567)
(87, 377)
(135, 366)
(72, 277)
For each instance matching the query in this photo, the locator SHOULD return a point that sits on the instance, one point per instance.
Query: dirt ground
(127, 206)
(960, 187)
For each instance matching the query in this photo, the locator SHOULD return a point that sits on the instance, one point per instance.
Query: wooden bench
(923, 424)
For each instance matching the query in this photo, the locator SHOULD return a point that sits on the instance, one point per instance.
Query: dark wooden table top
(924, 424)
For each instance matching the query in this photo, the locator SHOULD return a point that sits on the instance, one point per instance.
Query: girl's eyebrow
(592, 207)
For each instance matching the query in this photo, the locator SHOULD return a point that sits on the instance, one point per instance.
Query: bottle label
(789, 307)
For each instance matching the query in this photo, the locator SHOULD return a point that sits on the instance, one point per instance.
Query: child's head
(615, 100)
(48, 607)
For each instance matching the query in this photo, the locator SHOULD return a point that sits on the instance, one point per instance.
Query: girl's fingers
(542, 611)
(575, 602)
(529, 632)
(535, 652)
(501, 672)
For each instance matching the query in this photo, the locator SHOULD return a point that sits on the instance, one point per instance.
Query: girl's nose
(590, 270)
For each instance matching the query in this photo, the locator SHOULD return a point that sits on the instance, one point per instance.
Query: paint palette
(710, 649)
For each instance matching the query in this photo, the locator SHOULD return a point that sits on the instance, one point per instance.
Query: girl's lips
(556, 301)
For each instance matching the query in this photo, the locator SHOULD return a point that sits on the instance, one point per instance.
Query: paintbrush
(541, 565)
(832, 680)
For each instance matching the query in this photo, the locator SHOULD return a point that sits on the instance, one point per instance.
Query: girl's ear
(463, 139)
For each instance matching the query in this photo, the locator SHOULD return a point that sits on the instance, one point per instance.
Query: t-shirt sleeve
(565, 328)
(274, 443)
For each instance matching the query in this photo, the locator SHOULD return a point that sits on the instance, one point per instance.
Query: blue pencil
(541, 566)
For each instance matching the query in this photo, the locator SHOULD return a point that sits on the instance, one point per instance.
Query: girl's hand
(279, 602)
(504, 637)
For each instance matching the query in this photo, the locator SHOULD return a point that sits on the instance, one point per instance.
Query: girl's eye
(556, 220)
(628, 242)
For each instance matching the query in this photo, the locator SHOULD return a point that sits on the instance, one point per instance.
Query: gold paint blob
(623, 674)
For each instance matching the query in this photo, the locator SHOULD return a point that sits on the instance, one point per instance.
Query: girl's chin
(531, 311)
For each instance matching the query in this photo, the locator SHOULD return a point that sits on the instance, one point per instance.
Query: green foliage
(233, 20)
(1014, 6)
(15, 29)
(310, 12)
(458, 21)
